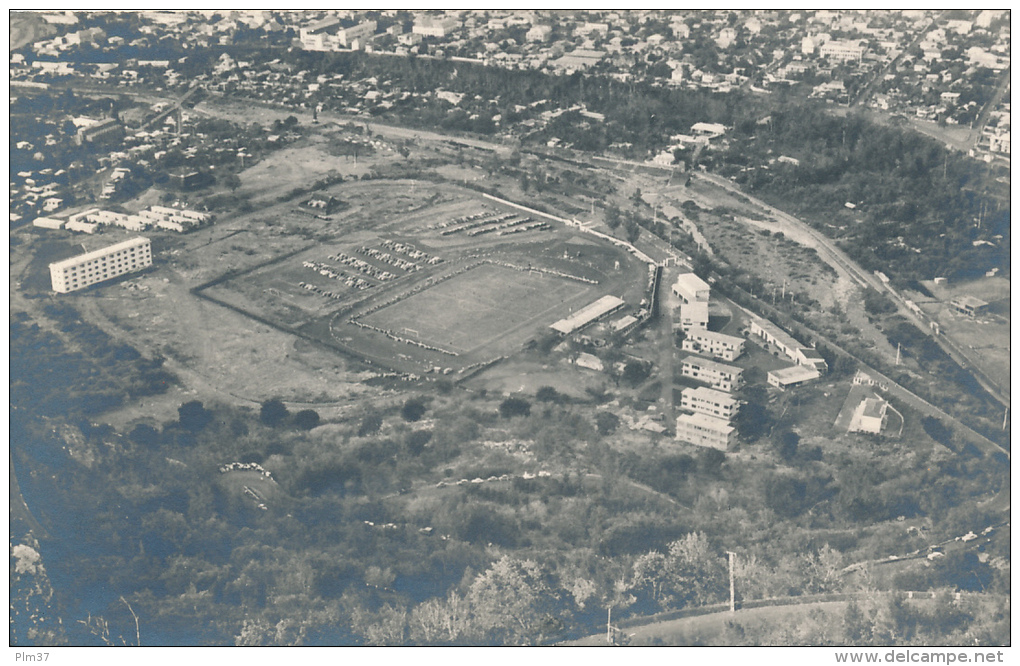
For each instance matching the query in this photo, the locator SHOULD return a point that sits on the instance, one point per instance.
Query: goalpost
(410, 331)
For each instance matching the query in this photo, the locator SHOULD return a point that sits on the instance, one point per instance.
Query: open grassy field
(443, 269)
(480, 305)
(986, 337)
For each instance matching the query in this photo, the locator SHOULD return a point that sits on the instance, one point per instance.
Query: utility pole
(897, 353)
(733, 596)
(609, 625)
(1005, 414)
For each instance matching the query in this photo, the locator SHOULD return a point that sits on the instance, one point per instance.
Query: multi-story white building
(539, 33)
(709, 401)
(711, 343)
(691, 288)
(718, 375)
(704, 430)
(100, 265)
(360, 32)
(845, 50)
(432, 26)
(694, 316)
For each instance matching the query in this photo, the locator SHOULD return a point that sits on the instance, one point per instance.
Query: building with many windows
(711, 343)
(100, 265)
(709, 401)
(718, 375)
(845, 50)
(704, 430)
(432, 26)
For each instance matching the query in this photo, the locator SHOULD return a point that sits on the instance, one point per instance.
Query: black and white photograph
(490, 328)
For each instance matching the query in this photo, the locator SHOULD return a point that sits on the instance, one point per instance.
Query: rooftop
(873, 408)
(706, 422)
(588, 314)
(794, 374)
(102, 252)
(715, 366)
(705, 393)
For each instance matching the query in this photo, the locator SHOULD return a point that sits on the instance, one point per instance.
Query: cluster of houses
(709, 409)
(155, 217)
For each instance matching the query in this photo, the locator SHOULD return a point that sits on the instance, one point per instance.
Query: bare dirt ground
(301, 165)
(217, 354)
(776, 260)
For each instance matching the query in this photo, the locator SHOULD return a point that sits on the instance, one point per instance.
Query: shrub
(513, 406)
(273, 412)
(413, 410)
(306, 419)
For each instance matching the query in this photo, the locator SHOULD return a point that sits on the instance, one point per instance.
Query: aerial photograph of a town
(511, 328)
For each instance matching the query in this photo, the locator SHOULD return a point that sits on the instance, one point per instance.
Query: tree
(688, 574)
(510, 602)
(710, 461)
(753, 419)
(514, 406)
(370, 424)
(416, 441)
(613, 218)
(606, 423)
(193, 416)
(786, 444)
(273, 412)
(145, 435)
(937, 430)
(306, 419)
(413, 410)
(547, 394)
(635, 372)
(232, 181)
(633, 230)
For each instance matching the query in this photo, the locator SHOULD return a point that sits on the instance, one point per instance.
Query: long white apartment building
(435, 26)
(711, 343)
(710, 402)
(100, 265)
(704, 430)
(174, 219)
(785, 343)
(844, 50)
(718, 375)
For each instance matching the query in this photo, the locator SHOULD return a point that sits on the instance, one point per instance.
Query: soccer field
(479, 306)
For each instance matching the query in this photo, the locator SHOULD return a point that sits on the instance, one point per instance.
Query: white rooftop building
(713, 344)
(588, 315)
(709, 401)
(690, 288)
(100, 265)
(704, 430)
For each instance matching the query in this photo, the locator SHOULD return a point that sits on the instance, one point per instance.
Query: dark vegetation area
(360, 545)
